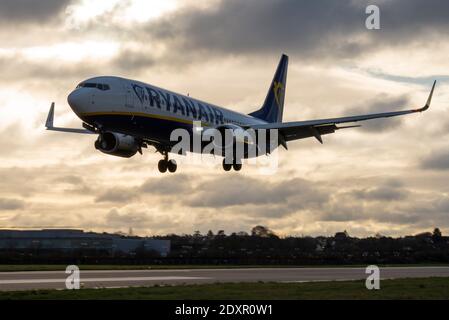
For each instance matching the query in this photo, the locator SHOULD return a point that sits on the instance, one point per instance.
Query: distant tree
(378, 236)
(437, 235)
(424, 235)
(263, 232)
(197, 234)
(341, 235)
(210, 234)
(221, 233)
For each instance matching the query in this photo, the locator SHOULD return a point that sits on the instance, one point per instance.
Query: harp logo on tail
(277, 87)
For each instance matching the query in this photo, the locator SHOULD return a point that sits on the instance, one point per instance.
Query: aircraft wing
(315, 128)
(49, 124)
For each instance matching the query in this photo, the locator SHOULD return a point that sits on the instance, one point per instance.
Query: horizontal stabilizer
(50, 117)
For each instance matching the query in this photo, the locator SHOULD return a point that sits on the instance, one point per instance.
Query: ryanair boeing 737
(129, 115)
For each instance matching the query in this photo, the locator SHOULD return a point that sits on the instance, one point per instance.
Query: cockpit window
(103, 87)
(100, 86)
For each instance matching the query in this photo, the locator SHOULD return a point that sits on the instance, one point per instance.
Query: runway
(132, 278)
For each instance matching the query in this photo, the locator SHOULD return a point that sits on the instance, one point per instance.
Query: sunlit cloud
(119, 12)
(72, 51)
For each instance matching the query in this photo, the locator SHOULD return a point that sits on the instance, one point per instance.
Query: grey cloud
(341, 211)
(136, 219)
(409, 218)
(254, 26)
(117, 195)
(381, 203)
(169, 185)
(70, 179)
(18, 180)
(231, 191)
(11, 138)
(133, 218)
(443, 205)
(31, 10)
(132, 61)
(290, 195)
(11, 204)
(438, 160)
(417, 211)
(308, 28)
(17, 68)
(382, 193)
(77, 185)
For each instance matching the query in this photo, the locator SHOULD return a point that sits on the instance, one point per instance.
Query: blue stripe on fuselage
(139, 126)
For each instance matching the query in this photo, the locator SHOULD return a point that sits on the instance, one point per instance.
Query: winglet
(50, 117)
(429, 100)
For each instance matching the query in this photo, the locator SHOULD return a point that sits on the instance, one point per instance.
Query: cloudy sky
(389, 177)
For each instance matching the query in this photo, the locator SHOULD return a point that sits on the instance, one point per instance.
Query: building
(69, 240)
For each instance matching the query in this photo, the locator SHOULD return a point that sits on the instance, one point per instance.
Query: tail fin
(273, 106)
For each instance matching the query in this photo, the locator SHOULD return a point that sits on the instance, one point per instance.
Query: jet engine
(117, 144)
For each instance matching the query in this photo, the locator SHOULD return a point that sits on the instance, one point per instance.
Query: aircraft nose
(77, 100)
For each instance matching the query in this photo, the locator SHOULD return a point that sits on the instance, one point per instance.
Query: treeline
(261, 247)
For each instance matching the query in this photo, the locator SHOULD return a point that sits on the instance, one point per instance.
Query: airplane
(129, 115)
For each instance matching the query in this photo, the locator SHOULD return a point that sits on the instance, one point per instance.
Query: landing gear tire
(226, 166)
(237, 166)
(172, 166)
(162, 166)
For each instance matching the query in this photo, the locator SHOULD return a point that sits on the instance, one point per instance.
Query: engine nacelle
(117, 144)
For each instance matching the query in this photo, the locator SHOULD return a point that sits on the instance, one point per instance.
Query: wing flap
(293, 133)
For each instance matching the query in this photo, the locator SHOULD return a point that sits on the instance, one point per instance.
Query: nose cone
(78, 101)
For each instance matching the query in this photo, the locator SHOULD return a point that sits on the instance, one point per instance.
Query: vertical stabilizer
(273, 107)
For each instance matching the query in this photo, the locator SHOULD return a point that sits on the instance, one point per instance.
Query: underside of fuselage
(142, 126)
(156, 129)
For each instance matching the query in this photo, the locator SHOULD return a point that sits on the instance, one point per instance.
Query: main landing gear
(166, 164)
(228, 166)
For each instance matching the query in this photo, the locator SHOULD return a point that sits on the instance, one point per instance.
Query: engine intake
(117, 144)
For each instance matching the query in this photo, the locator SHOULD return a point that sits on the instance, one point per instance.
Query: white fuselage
(144, 110)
